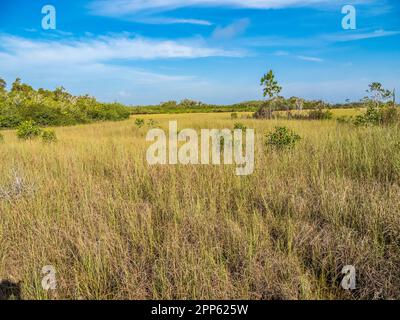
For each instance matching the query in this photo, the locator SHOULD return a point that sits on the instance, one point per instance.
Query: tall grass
(115, 227)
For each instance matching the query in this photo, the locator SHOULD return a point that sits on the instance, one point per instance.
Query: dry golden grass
(116, 228)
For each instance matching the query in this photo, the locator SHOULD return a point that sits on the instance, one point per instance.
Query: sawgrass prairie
(116, 228)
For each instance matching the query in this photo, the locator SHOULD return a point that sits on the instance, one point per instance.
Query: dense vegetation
(280, 104)
(52, 108)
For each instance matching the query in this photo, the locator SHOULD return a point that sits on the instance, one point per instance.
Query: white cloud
(235, 29)
(103, 66)
(106, 48)
(311, 59)
(353, 36)
(163, 20)
(123, 7)
(146, 11)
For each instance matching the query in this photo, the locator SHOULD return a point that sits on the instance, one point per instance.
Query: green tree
(271, 88)
(3, 85)
(379, 94)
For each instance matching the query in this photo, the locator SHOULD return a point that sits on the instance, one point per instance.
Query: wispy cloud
(235, 29)
(164, 20)
(146, 11)
(354, 36)
(317, 40)
(102, 65)
(107, 48)
(123, 7)
(311, 59)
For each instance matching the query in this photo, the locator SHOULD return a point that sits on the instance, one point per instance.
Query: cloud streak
(123, 7)
(146, 11)
(310, 59)
(235, 29)
(87, 64)
(105, 48)
(345, 37)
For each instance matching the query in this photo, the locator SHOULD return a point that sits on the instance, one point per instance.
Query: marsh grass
(115, 227)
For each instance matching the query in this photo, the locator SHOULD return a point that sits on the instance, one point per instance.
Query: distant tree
(379, 111)
(271, 88)
(378, 93)
(19, 87)
(3, 85)
(394, 98)
(299, 103)
(292, 104)
(169, 104)
(16, 85)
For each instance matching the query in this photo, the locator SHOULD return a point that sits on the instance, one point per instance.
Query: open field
(115, 227)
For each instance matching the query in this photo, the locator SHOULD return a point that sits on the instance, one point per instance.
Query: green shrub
(320, 114)
(28, 130)
(282, 138)
(240, 126)
(139, 123)
(370, 117)
(151, 123)
(49, 136)
(234, 115)
(344, 119)
(378, 116)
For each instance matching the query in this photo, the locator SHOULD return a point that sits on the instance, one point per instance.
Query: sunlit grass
(116, 228)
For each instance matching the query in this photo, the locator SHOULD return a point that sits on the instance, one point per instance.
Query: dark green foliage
(320, 114)
(379, 110)
(49, 136)
(53, 108)
(317, 114)
(139, 122)
(282, 138)
(345, 119)
(28, 130)
(378, 116)
(240, 126)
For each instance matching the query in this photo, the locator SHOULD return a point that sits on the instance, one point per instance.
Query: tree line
(52, 108)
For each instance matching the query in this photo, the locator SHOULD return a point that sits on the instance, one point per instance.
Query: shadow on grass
(10, 290)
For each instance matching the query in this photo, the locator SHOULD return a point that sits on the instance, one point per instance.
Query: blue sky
(148, 51)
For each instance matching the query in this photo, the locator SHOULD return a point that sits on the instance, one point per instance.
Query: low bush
(378, 116)
(139, 123)
(28, 130)
(282, 138)
(49, 136)
(239, 126)
(320, 114)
